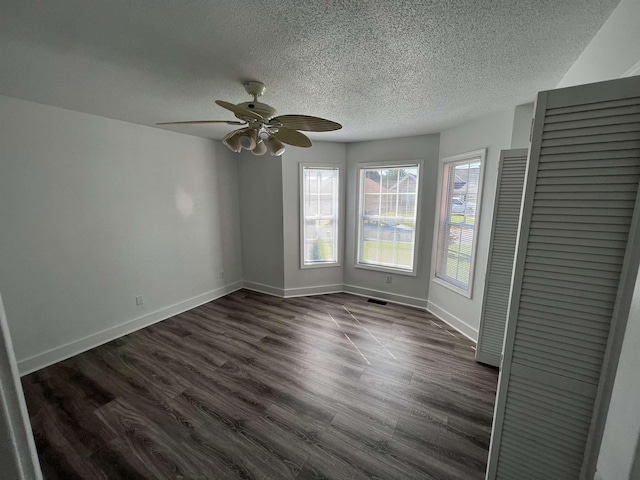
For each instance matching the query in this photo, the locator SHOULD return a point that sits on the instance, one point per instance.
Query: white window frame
(338, 209)
(439, 220)
(359, 196)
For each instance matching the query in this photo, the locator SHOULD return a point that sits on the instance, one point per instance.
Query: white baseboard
(262, 288)
(388, 296)
(292, 292)
(57, 354)
(464, 328)
(319, 290)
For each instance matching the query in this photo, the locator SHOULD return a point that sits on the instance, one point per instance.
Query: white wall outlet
(139, 300)
(388, 278)
(221, 273)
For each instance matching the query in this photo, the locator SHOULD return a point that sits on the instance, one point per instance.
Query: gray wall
(299, 281)
(403, 288)
(494, 133)
(96, 211)
(262, 221)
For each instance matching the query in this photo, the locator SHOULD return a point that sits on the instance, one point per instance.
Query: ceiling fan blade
(230, 122)
(297, 139)
(243, 112)
(307, 123)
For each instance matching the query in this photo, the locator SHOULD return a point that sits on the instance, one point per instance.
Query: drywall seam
(464, 328)
(57, 354)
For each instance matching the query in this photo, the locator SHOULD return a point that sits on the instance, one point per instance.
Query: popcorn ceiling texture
(382, 69)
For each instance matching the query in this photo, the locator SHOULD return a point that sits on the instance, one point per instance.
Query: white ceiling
(382, 69)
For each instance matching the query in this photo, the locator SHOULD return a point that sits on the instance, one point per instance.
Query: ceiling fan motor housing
(266, 111)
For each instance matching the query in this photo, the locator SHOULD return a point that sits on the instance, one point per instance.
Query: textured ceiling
(382, 69)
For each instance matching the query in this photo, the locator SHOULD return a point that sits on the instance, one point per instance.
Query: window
(461, 183)
(320, 193)
(388, 213)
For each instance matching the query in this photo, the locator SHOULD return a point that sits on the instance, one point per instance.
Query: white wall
(622, 428)
(403, 288)
(613, 52)
(494, 133)
(299, 281)
(95, 211)
(262, 221)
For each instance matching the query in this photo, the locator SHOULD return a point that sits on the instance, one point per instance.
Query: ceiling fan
(263, 128)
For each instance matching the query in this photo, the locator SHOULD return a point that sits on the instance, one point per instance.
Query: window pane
(388, 206)
(372, 203)
(456, 232)
(320, 215)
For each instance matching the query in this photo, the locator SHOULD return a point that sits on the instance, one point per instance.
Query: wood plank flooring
(252, 386)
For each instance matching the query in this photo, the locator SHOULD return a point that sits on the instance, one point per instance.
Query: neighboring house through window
(460, 187)
(320, 206)
(388, 212)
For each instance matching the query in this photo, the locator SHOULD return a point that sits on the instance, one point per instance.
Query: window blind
(458, 219)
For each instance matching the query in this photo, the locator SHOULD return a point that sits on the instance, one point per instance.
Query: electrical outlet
(221, 273)
(388, 278)
(139, 300)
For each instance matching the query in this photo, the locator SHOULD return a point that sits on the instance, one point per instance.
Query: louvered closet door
(580, 195)
(504, 231)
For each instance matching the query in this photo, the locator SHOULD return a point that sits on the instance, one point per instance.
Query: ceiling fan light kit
(232, 140)
(260, 148)
(276, 147)
(264, 125)
(248, 139)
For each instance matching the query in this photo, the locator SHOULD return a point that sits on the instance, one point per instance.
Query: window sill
(320, 265)
(381, 268)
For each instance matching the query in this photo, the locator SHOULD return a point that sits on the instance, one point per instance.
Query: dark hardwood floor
(257, 387)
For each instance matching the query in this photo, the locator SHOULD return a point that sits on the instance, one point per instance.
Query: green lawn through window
(381, 251)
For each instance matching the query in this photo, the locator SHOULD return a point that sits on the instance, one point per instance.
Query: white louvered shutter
(580, 195)
(504, 232)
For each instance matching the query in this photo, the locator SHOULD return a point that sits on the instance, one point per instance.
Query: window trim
(482, 154)
(338, 242)
(359, 213)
